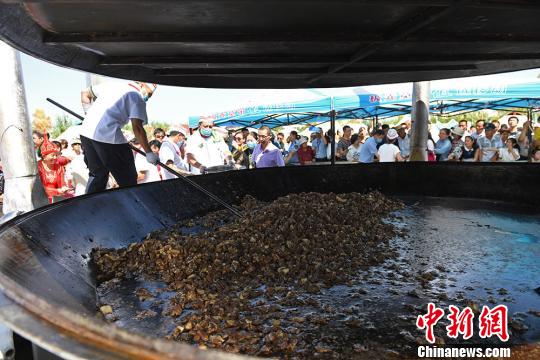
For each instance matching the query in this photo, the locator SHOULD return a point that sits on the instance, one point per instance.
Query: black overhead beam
(304, 36)
(301, 71)
(401, 31)
(202, 37)
(307, 61)
(486, 4)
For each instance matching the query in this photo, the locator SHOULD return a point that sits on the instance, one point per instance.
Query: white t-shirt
(354, 153)
(211, 151)
(114, 107)
(169, 151)
(329, 150)
(388, 153)
(150, 171)
(506, 156)
(430, 145)
(488, 147)
(523, 145)
(77, 171)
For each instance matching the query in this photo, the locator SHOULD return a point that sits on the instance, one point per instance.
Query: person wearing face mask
(265, 153)
(108, 107)
(206, 149)
(369, 151)
(252, 140)
(170, 154)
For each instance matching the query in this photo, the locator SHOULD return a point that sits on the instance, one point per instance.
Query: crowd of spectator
(483, 142)
(64, 173)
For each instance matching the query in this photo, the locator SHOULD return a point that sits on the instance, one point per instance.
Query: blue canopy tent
(366, 105)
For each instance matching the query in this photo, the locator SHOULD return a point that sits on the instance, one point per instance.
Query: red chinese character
(429, 320)
(460, 323)
(494, 322)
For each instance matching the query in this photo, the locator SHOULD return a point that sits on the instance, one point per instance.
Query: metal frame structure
(213, 44)
(437, 107)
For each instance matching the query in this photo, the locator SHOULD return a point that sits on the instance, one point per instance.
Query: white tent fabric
(72, 132)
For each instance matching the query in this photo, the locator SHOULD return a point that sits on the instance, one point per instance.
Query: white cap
(392, 134)
(175, 129)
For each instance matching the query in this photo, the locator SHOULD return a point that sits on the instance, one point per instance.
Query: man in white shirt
(404, 142)
(464, 125)
(106, 150)
(480, 124)
(170, 155)
(205, 149)
(488, 145)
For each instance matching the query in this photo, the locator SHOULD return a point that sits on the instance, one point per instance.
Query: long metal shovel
(186, 179)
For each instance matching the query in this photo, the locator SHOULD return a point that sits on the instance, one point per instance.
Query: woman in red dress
(52, 174)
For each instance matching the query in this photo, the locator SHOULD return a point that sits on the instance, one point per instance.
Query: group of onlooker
(481, 143)
(64, 172)
(489, 142)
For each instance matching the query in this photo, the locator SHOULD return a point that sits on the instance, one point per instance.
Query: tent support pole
(333, 140)
(23, 189)
(531, 129)
(420, 120)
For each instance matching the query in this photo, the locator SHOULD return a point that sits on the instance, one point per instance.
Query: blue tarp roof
(443, 102)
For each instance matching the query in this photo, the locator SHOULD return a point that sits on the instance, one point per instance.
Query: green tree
(62, 123)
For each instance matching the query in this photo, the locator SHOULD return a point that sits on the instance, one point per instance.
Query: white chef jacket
(211, 151)
(114, 107)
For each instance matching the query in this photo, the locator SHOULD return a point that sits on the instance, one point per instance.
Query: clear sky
(175, 104)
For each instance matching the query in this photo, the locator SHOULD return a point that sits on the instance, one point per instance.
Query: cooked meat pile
(237, 279)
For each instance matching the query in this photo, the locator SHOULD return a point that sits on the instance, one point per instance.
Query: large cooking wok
(44, 254)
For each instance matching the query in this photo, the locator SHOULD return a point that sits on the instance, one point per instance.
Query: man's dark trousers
(102, 158)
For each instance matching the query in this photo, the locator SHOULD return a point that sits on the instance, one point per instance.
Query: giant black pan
(44, 254)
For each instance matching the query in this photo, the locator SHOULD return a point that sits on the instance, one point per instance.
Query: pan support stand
(420, 120)
(23, 190)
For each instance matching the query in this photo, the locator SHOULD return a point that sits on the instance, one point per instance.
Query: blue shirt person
(291, 156)
(443, 146)
(320, 146)
(369, 149)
